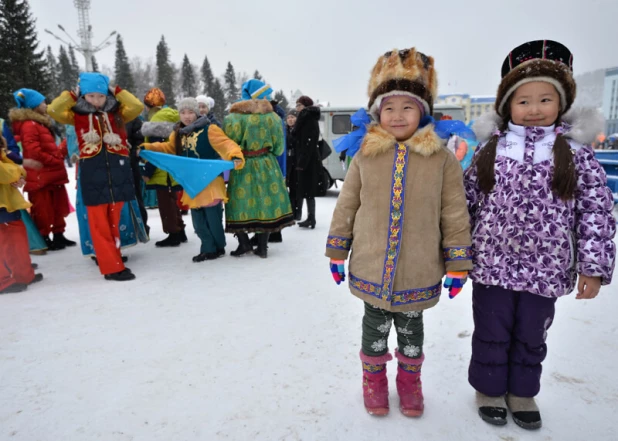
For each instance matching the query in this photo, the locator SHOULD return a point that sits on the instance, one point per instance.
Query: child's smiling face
(400, 116)
(187, 116)
(535, 104)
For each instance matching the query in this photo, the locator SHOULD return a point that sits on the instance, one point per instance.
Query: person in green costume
(258, 197)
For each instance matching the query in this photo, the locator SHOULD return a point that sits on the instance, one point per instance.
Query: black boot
(275, 237)
(253, 241)
(205, 256)
(182, 236)
(121, 276)
(53, 245)
(37, 278)
(244, 246)
(310, 222)
(262, 248)
(14, 288)
(173, 240)
(61, 240)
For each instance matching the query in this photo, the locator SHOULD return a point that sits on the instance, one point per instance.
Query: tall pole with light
(85, 34)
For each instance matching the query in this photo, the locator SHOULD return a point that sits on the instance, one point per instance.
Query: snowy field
(252, 349)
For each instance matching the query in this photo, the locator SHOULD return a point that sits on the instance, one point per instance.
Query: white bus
(335, 123)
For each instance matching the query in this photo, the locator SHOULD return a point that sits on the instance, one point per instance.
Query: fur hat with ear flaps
(403, 72)
(539, 60)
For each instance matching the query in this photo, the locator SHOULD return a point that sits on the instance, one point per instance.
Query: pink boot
(375, 383)
(409, 385)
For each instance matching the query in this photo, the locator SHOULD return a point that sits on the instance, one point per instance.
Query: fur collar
(196, 125)
(161, 129)
(581, 124)
(252, 106)
(311, 113)
(424, 141)
(83, 107)
(30, 115)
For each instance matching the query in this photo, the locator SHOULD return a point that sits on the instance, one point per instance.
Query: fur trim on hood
(307, 114)
(424, 141)
(83, 107)
(161, 129)
(583, 124)
(252, 106)
(30, 115)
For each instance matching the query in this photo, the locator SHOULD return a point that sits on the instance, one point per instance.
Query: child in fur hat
(45, 186)
(16, 268)
(99, 113)
(402, 215)
(541, 215)
(196, 137)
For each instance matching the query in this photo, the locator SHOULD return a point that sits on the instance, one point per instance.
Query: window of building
(341, 124)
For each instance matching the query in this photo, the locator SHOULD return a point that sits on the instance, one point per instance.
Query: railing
(609, 160)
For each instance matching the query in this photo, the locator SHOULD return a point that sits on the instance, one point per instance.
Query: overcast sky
(326, 48)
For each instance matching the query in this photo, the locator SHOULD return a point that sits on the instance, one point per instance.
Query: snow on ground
(252, 349)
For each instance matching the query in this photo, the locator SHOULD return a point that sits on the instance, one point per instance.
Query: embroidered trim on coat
(339, 243)
(398, 298)
(457, 253)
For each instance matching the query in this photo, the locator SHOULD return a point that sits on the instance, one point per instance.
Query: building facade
(610, 101)
(473, 106)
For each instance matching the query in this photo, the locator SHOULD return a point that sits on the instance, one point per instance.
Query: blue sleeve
(14, 151)
(72, 145)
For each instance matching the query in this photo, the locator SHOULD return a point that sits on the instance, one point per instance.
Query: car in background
(335, 123)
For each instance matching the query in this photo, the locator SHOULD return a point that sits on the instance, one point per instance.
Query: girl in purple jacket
(541, 216)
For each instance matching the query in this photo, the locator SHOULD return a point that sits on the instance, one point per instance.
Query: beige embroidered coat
(402, 213)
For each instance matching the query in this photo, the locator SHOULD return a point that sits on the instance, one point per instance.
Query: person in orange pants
(16, 269)
(99, 113)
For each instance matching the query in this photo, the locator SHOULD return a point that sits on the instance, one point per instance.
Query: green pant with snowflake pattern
(377, 326)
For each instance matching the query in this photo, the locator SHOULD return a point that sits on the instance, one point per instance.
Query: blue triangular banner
(193, 174)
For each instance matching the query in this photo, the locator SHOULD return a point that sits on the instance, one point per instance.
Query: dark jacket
(306, 134)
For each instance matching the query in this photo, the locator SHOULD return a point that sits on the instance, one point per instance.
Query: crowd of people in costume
(529, 221)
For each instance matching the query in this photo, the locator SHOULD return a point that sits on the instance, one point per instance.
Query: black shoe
(253, 241)
(244, 246)
(14, 288)
(52, 245)
(530, 420)
(221, 252)
(184, 212)
(275, 237)
(493, 415)
(171, 241)
(205, 256)
(309, 223)
(37, 278)
(60, 239)
(182, 236)
(35, 266)
(262, 249)
(121, 276)
(94, 259)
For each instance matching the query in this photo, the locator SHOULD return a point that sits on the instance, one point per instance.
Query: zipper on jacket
(109, 175)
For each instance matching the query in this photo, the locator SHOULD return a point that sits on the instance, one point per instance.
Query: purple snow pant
(508, 344)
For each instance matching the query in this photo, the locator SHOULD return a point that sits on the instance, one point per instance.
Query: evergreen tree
(52, 70)
(122, 69)
(208, 79)
(231, 89)
(188, 82)
(21, 63)
(67, 80)
(143, 75)
(74, 63)
(282, 100)
(165, 72)
(218, 95)
(95, 65)
(257, 75)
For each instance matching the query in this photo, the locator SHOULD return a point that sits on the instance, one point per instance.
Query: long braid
(564, 181)
(486, 160)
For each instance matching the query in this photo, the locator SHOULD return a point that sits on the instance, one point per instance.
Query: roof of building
(611, 72)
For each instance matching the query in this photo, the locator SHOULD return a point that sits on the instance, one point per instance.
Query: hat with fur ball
(539, 60)
(189, 104)
(403, 72)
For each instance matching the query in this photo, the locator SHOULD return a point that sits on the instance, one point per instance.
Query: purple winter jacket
(524, 237)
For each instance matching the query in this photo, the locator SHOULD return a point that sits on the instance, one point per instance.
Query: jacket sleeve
(308, 144)
(224, 146)
(277, 136)
(454, 218)
(10, 172)
(595, 225)
(13, 149)
(168, 147)
(130, 106)
(31, 143)
(339, 241)
(60, 108)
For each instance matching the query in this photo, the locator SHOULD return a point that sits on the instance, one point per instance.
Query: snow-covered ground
(252, 349)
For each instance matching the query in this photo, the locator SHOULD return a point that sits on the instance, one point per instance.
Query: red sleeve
(31, 144)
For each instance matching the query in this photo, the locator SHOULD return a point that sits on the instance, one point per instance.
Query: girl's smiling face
(535, 104)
